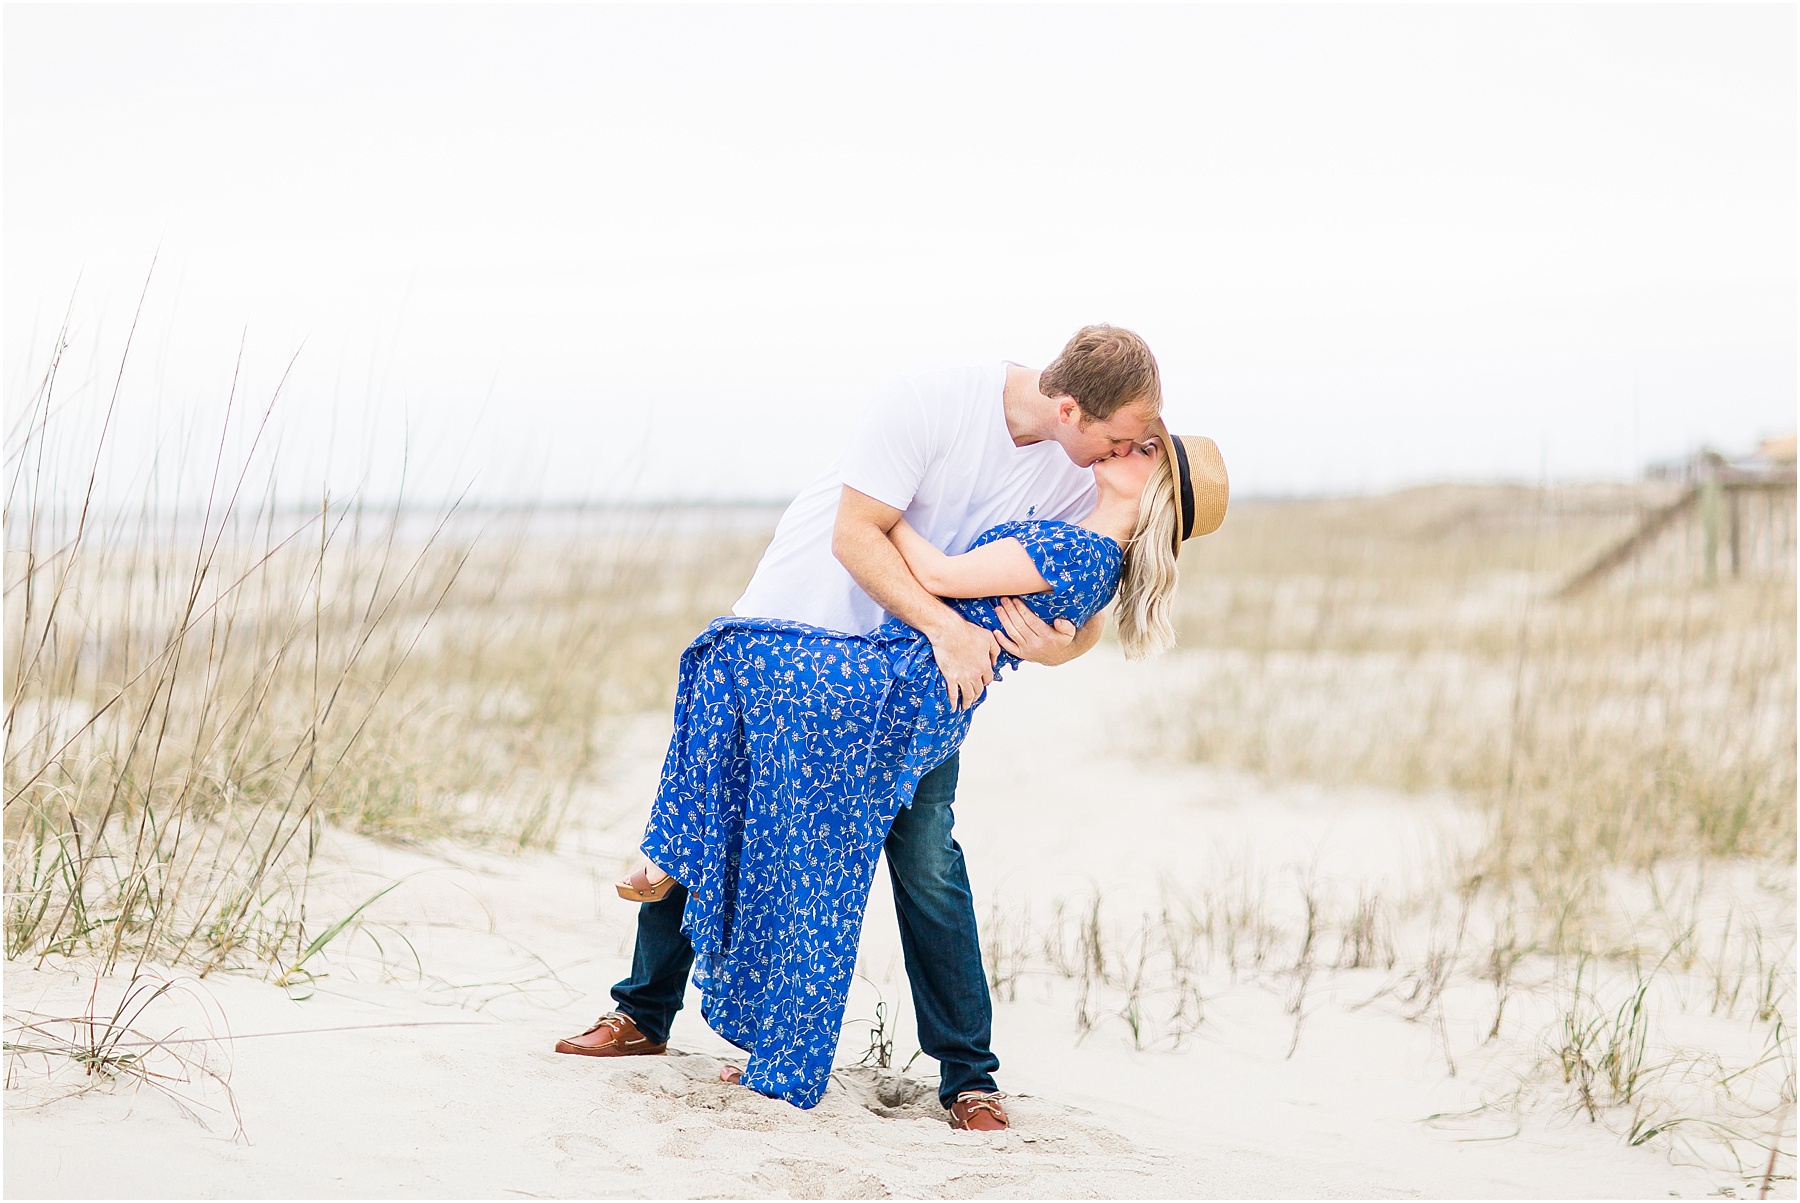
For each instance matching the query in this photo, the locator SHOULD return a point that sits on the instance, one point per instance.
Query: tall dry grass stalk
(195, 685)
(1691, 1052)
(1631, 747)
(1416, 641)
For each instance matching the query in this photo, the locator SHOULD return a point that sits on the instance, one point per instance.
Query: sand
(501, 954)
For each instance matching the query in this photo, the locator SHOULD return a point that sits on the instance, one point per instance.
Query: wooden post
(1731, 514)
(1711, 519)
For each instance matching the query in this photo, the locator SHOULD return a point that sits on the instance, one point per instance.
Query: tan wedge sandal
(639, 888)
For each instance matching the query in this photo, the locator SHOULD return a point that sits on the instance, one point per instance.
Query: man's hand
(1029, 638)
(965, 654)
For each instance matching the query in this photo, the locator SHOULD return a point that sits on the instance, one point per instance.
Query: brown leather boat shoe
(979, 1111)
(613, 1035)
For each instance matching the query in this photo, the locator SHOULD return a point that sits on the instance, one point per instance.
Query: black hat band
(1186, 483)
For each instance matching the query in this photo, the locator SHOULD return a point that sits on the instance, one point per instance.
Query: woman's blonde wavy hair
(1147, 580)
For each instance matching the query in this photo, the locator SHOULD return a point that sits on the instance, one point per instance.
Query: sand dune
(496, 955)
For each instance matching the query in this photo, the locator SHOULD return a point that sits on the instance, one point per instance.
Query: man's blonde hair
(1105, 368)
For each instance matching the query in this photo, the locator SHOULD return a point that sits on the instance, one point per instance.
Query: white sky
(615, 251)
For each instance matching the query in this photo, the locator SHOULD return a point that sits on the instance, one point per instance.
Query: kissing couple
(986, 514)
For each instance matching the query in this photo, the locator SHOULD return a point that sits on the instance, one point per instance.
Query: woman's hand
(1028, 638)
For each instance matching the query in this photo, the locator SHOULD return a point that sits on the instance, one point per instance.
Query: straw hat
(1200, 483)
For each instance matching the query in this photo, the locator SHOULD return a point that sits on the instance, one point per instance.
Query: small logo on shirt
(1031, 511)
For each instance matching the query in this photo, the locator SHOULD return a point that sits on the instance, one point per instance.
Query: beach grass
(197, 685)
(1628, 750)
(1417, 641)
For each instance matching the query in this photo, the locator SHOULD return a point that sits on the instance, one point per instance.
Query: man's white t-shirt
(935, 447)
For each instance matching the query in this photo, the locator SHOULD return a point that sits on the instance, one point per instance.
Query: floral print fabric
(794, 747)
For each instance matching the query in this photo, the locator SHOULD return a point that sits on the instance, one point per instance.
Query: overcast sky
(574, 251)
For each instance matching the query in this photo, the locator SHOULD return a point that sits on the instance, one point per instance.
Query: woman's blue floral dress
(794, 748)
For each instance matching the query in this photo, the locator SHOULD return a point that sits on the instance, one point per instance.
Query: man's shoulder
(953, 387)
(953, 378)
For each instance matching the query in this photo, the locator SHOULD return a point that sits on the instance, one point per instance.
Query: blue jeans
(936, 910)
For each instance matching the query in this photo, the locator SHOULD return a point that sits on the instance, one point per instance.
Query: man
(954, 451)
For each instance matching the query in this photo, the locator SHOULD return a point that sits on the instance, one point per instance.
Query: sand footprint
(691, 1084)
(689, 1144)
(891, 1095)
(794, 1178)
(584, 1149)
(976, 1186)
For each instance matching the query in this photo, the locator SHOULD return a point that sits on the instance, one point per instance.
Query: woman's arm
(997, 569)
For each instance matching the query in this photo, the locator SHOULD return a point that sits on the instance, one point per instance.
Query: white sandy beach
(519, 949)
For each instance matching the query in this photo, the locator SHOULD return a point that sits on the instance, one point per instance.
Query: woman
(794, 748)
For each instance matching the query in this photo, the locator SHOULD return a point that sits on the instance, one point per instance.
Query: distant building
(1772, 460)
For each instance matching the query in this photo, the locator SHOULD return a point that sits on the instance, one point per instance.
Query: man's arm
(1002, 570)
(965, 653)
